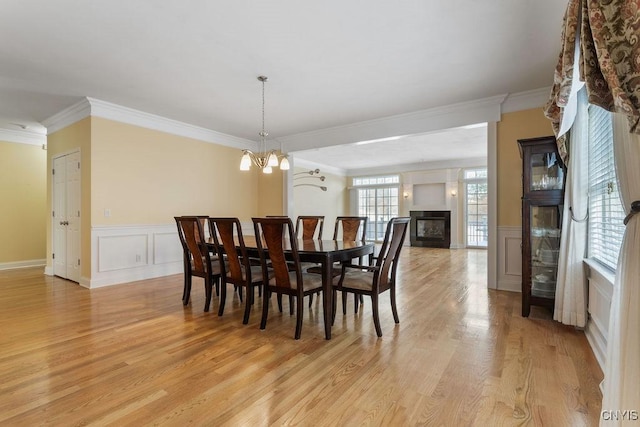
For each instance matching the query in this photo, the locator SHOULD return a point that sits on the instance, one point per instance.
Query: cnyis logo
(620, 415)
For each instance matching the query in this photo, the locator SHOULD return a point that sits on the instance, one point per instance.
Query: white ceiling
(329, 63)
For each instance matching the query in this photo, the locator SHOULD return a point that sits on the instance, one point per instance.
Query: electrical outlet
(107, 213)
(138, 258)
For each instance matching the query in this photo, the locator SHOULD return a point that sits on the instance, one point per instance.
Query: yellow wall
(72, 138)
(146, 176)
(270, 191)
(23, 210)
(513, 126)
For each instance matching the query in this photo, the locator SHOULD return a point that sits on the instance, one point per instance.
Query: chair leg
(265, 308)
(376, 318)
(334, 306)
(186, 294)
(344, 303)
(291, 300)
(358, 300)
(299, 315)
(394, 310)
(247, 305)
(239, 288)
(208, 288)
(223, 298)
(218, 287)
(279, 298)
(310, 300)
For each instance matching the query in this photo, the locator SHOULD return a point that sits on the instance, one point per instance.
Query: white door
(66, 216)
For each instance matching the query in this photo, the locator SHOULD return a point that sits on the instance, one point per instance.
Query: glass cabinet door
(545, 247)
(546, 172)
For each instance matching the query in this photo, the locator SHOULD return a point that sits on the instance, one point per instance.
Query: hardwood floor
(133, 355)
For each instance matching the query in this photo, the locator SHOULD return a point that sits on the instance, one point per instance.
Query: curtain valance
(608, 33)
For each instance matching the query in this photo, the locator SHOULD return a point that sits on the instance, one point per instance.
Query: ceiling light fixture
(263, 159)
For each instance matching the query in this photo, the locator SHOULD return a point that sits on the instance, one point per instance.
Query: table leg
(327, 297)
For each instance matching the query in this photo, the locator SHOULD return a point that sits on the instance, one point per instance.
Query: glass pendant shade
(272, 160)
(284, 164)
(245, 163)
(267, 169)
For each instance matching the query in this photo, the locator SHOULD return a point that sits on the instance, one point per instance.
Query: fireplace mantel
(430, 229)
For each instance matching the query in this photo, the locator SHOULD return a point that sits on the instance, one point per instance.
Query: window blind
(606, 214)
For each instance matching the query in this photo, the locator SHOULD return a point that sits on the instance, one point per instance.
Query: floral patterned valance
(609, 60)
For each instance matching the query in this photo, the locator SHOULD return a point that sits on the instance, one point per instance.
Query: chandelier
(263, 159)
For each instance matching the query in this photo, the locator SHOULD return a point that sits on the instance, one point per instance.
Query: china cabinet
(543, 179)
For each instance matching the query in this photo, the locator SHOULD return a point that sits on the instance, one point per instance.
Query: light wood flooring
(133, 355)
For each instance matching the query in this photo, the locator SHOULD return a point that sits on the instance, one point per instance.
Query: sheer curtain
(571, 288)
(622, 371)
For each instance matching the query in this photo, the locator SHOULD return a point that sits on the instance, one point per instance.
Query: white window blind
(606, 214)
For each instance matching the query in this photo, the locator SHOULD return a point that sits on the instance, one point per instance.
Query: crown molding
(433, 119)
(536, 98)
(107, 110)
(68, 116)
(23, 137)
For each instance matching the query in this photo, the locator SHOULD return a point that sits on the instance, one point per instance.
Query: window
(606, 214)
(476, 207)
(378, 201)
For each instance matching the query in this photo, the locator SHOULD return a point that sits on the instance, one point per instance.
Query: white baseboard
(48, 270)
(22, 264)
(598, 342)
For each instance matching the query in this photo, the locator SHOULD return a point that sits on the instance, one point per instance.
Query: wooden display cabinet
(543, 180)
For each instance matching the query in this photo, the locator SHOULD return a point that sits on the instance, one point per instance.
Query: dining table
(325, 253)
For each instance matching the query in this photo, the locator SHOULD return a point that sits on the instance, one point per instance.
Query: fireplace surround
(431, 229)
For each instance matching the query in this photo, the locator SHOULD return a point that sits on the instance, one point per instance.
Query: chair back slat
(390, 251)
(309, 225)
(192, 233)
(227, 235)
(352, 227)
(274, 231)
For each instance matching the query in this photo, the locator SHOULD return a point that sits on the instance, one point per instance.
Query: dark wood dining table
(325, 253)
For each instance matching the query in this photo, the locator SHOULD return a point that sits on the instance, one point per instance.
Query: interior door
(66, 216)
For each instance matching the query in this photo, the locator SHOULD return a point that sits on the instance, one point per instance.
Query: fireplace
(431, 229)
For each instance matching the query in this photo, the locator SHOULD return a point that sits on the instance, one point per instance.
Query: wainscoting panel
(166, 248)
(599, 307)
(120, 252)
(510, 259)
(126, 253)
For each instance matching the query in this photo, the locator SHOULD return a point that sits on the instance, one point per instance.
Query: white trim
(492, 181)
(23, 137)
(68, 116)
(94, 107)
(433, 119)
(526, 100)
(23, 264)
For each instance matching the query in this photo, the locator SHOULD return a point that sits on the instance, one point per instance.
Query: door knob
(61, 222)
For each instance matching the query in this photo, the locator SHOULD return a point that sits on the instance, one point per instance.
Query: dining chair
(348, 229)
(376, 279)
(186, 256)
(235, 265)
(198, 259)
(285, 273)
